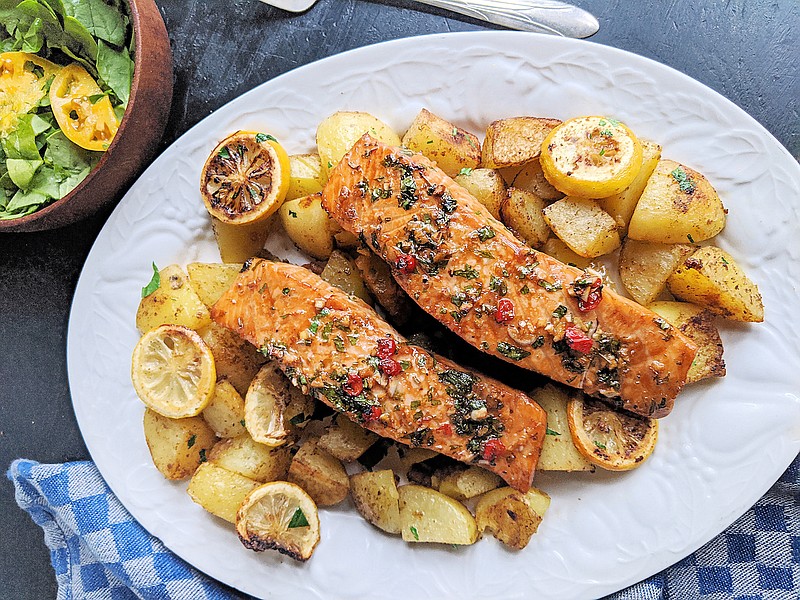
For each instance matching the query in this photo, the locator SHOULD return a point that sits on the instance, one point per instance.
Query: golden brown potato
(486, 186)
(411, 456)
(698, 324)
(211, 280)
(346, 440)
(531, 179)
(677, 205)
(511, 516)
(247, 457)
(219, 491)
(225, 412)
(320, 474)
(236, 360)
(465, 483)
(429, 516)
(644, 267)
(375, 496)
(239, 242)
(521, 211)
(560, 251)
(274, 409)
(307, 176)
(308, 225)
(583, 226)
(558, 452)
(451, 148)
(343, 273)
(711, 278)
(515, 141)
(379, 281)
(621, 206)
(337, 133)
(177, 446)
(174, 302)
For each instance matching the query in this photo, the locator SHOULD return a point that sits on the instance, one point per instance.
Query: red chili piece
(390, 367)
(593, 298)
(445, 429)
(492, 449)
(373, 414)
(354, 385)
(406, 263)
(505, 311)
(578, 341)
(387, 347)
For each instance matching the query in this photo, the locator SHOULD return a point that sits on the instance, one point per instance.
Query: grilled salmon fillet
(336, 348)
(470, 272)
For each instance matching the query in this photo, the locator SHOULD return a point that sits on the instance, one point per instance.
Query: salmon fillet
(336, 348)
(470, 272)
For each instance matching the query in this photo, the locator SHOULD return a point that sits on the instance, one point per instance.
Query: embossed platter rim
(722, 447)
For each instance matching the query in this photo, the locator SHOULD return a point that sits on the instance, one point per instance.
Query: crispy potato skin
(521, 211)
(430, 516)
(515, 141)
(644, 267)
(338, 132)
(320, 474)
(308, 225)
(174, 302)
(379, 281)
(177, 446)
(487, 186)
(375, 495)
(583, 226)
(453, 149)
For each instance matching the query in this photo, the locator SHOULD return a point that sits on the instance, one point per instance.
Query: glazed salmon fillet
(470, 272)
(336, 348)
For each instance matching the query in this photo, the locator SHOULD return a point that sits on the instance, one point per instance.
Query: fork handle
(540, 16)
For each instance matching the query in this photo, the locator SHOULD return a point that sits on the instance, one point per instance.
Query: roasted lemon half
(273, 407)
(279, 516)
(246, 177)
(591, 157)
(173, 371)
(610, 439)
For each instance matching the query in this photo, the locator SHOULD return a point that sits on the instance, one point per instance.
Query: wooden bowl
(139, 132)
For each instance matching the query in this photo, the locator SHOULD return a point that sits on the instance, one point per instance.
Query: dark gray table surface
(745, 49)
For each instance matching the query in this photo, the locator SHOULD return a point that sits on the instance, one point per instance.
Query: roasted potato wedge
(430, 516)
(343, 273)
(239, 242)
(375, 496)
(515, 141)
(337, 133)
(211, 280)
(451, 148)
(236, 360)
(225, 412)
(698, 324)
(486, 186)
(511, 516)
(678, 204)
(711, 278)
(621, 206)
(307, 176)
(560, 251)
(247, 457)
(174, 302)
(177, 446)
(465, 483)
(379, 281)
(644, 267)
(320, 474)
(219, 490)
(274, 408)
(531, 179)
(346, 440)
(583, 226)
(558, 452)
(308, 225)
(521, 211)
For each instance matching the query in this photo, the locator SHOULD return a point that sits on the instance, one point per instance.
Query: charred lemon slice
(612, 440)
(591, 157)
(279, 516)
(273, 407)
(246, 177)
(173, 371)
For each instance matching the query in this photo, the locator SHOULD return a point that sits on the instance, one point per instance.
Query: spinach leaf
(115, 67)
(79, 43)
(63, 155)
(21, 170)
(103, 21)
(21, 141)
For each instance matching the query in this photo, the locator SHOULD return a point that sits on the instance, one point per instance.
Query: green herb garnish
(551, 432)
(154, 284)
(298, 519)
(414, 532)
(685, 182)
(512, 352)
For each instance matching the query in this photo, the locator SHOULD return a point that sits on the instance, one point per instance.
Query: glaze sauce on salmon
(336, 348)
(470, 272)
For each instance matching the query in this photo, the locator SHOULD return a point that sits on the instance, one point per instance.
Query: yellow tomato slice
(84, 115)
(591, 157)
(23, 77)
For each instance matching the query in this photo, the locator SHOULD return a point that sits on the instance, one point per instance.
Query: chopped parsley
(525, 290)
(498, 285)
(685, 182)
(538, 342)
(298, 519)
(154, 284)
(223, 153)
(550, 287)
(263, 137)
(191, 441)
(512, 352)
(467, 272)
(292, 214)
(690, 238)
(203, 455)
(551, 432)
(599, 445)
(339, 343)
(485, 233)
(560, 311)
(285, 291)
(414, 532)
(465, 171)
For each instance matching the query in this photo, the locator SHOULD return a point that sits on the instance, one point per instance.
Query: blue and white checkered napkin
(99, 551)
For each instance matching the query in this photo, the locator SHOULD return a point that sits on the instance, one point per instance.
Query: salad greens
(38, 163)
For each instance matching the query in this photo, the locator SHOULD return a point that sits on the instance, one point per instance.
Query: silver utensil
(540, 16)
